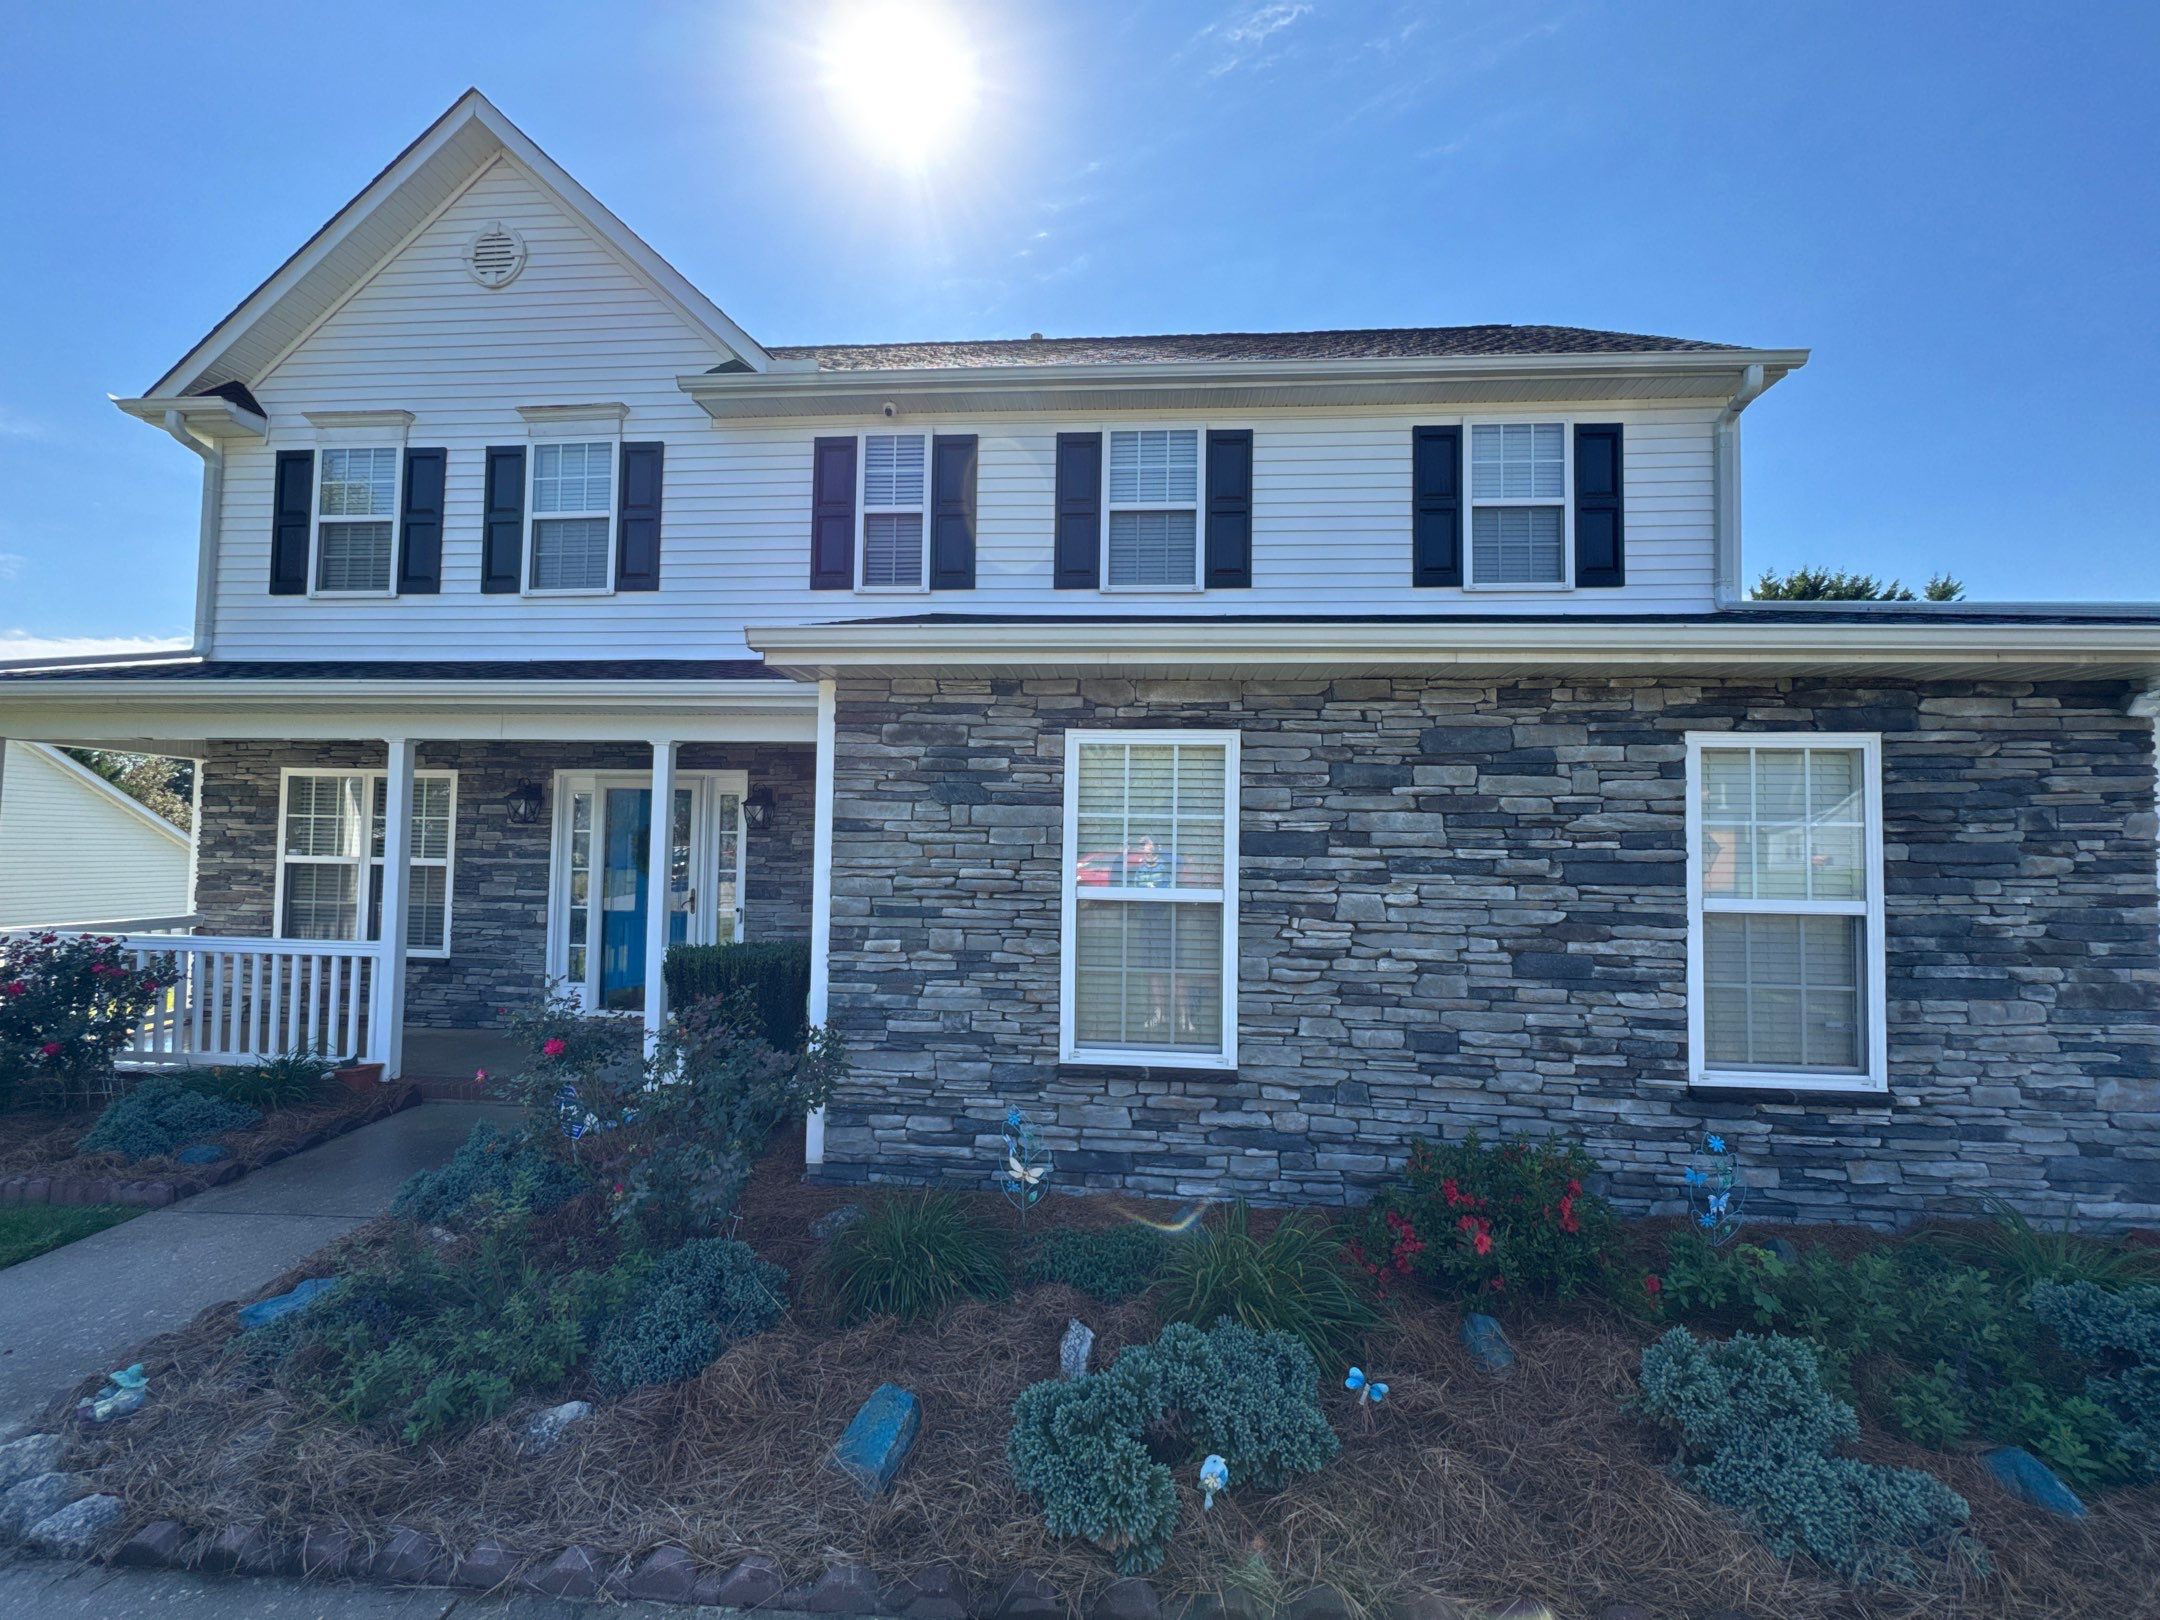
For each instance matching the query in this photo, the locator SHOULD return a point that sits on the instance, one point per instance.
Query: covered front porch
(387, 869)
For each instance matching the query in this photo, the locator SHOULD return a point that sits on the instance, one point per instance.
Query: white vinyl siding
(1518, 503)
(1150, 898)
(355, 519)
(1152, 509)
(1785, 910)
(74, 850)
(573, 509)
(324, 875)
(894, 508)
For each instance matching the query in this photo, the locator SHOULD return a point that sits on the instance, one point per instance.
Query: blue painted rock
(203, 1153)
(1784, 1249)
(879, 1438)
(265, 1311)
(1487, 1344)
(2029, 1479)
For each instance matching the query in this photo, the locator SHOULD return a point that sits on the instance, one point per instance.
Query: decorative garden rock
(1231, 1603)
(241, 1549)
(76, 1529)
(667, 1575)
(1321, 1603)
(27, 1501)
(835, 1221)
(487, 1566)
(879, 1438)
(203, 1153)
(2030, 1480)
(160, 1544)
(111, 1405)
(844, 1589)
(1075, 1348)
(28, 1457)
(578, 1572)
(265, 1311)
(1487, 1344)
(1785, 1249)
(409, 1558)
(937, 1593)
(544, 1430)
(1134, 1599)
(1027, 1596)
(325, 1554)
(751, 1584)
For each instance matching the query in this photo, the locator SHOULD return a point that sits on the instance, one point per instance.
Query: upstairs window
(895, 486)
(356, 520)
(1785, 960)
(1153, 501)
(330, 884)
(1518, 503)
(573, 513)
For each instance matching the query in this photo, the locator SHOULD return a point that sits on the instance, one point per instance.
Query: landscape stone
(878, 1439)
(545, 1429)
(265, 1311)
(1320, 1603)
(203, 1153)
(487, 1566)
(111, 1406)
(241, 1549)
(1075, 1348)
(1231, 1603)
(844, 1589)
(751, 1584)
(409, 1558)
(160, 1544)
(1487, 1344)
(1785, 1249)
(75, 1530)
(1028, 1596)
(835, 1221)
(577, 1572)
(1131, 1598)
(31, 1455)
(667, 1575)
(329, 1553)
(2030, 1480)
(27, 1501)
(937, 1593)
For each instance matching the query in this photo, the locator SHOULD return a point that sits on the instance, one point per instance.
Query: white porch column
(820, 901)
(386, 1017)
(658, 900)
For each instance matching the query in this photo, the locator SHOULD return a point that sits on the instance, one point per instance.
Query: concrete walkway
(76, 1311)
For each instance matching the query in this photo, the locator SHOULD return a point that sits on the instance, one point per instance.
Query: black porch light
(757, 808)
(524, 804)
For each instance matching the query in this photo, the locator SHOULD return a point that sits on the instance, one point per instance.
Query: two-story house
(1244, 752)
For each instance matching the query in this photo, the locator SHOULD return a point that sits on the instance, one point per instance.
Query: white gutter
(1725, 464)
(213, 506)
(430, 695)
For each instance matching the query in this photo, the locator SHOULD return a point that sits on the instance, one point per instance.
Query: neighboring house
(1245, 752)
(76, 849)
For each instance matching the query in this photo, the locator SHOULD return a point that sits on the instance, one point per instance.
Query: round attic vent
(495, 255)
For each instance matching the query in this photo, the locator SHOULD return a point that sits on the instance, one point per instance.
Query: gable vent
(495, 255)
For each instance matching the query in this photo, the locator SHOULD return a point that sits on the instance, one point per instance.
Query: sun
(901, 74)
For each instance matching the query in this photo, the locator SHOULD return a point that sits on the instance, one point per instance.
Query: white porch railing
(246, 1000)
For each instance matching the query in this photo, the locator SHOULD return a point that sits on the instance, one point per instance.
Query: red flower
(1652, 1286)
(1482, 1243)
(17, 988)
(49, 1049)
(554, 1046)
(1497, 1284)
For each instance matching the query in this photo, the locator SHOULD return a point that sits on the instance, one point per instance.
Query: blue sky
(1956, 208)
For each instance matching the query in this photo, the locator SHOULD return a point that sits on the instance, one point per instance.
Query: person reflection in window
(1145, 867)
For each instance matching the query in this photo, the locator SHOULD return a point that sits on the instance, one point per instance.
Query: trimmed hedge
(775, 977)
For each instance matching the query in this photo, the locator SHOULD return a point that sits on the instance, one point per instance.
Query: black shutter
(502, 544)
(1436, 506)
(1600, 521)
(420, 524)
(832, 515)
(952, 512)
(295, 501)
(1229, 509)
(637, 518)
(1079, 511)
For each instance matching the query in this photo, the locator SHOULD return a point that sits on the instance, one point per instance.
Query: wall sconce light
(525, 804)
(757, 809)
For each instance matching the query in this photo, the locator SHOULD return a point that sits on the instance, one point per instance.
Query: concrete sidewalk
(77, 1311)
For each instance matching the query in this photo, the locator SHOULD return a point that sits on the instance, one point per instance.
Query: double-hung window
(355, 519)
(1785, 925)
(895, 490)
(1150, 898)
(1152, 505)
(1519, 487)
(330, 854)
(573, 516)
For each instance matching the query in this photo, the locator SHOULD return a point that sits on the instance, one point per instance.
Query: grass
(28, 1233)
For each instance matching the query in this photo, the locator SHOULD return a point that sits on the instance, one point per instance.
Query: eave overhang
(1237, 385)
(206, 415)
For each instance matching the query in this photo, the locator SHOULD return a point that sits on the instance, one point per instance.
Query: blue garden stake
(1370, 1391)
(1027, 1164)
(1716, 1194)
(1214, 1476)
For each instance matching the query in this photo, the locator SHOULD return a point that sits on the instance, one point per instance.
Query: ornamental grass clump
(1291, 1281)
(1090, 1449)
(1758, 1433)
(914, 1253)
(159, 1117)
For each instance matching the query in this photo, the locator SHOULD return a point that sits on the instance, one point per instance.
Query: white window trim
(863, 509)
(367, 862)
(1069, 1048)
(1566, 503)
(1875, 973)
(394, 442)
(1199, 508)
(571, 431)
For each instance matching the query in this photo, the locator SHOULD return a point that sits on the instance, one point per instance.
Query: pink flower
(17, 988)
(479, 1077)
(49, 1049)
(555, 1046)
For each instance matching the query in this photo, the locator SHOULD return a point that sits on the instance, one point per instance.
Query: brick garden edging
(39, 1187)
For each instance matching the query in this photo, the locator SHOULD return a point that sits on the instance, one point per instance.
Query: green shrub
(68, 1004)
(1293, 1281)
(494, 1168)
(1112, 1265)
(1515, 1217)
(284, 1081)
(1081, 1447)
(914, 1253)
(2026, 1255)
(1758, 1432)
(694, 1302)
(2121, 1332)
(160, 1116)
(775, 976)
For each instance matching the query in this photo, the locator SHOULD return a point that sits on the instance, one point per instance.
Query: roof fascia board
(205, 413)
(688, 694)
(77, 771)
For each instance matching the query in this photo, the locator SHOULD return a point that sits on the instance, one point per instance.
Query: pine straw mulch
(39, 1142)
(1486, 1492)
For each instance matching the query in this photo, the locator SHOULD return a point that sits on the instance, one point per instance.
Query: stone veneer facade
(499, 878)
(1463, 905)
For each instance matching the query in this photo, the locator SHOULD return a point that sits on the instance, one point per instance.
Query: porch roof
(171, 667)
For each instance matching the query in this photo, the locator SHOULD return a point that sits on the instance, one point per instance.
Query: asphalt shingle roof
(1375, 343)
